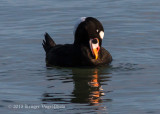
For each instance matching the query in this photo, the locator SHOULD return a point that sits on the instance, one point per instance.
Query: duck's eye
(97, 30)
(94, 41)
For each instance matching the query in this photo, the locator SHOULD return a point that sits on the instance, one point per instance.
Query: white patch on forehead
(82, 19)
(101, 34)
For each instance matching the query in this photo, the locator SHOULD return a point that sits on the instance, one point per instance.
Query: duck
(86, 50)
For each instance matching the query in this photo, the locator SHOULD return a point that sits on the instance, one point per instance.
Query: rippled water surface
(130, 85)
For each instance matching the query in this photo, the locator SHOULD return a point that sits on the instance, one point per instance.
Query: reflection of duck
(86, 49)
(94, 83)
(87, 87)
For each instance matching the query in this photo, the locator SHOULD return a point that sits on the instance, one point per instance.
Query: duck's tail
(48, 43)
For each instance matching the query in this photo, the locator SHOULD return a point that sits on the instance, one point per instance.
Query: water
(130, 85)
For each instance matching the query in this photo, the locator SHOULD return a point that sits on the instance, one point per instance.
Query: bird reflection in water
(94, 96)
(87, 87)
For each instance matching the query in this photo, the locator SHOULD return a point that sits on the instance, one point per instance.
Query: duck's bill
(94, 46)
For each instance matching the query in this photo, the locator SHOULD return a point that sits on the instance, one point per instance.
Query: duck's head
(89, 32)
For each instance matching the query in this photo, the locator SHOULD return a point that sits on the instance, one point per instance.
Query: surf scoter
(86, 49)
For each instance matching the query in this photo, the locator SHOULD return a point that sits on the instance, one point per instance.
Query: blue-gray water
(130, 85)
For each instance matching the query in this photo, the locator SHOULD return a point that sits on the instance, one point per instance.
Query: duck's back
(61, 55)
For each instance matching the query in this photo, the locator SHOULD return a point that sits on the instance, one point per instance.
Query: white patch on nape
(82, 19)
(101, 34)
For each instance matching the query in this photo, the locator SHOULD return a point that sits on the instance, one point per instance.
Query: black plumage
(86, 49)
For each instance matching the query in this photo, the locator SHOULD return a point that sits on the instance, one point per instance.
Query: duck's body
(80, 53)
